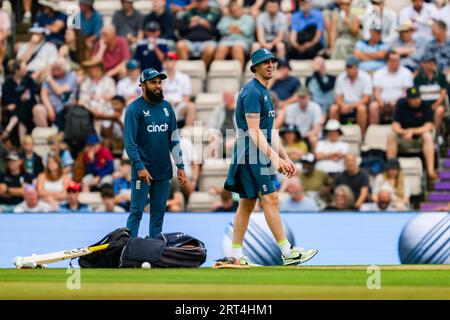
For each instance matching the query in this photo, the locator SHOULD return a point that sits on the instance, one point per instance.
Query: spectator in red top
(98, 162)
(113, 51)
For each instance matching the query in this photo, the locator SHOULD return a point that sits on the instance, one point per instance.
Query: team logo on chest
(265, 98)
(146, 113)
(166, 112)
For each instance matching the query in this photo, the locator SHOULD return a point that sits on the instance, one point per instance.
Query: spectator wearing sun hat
(53, 20)
(73, 204)
(407, 46)
(331, 151)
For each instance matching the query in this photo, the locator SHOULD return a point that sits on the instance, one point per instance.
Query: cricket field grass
(330, 282)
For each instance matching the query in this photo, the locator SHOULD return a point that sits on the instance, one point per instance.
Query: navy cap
(392, 163)
(152, 26)
(259, 56)
(427, 57)
(291, 128)
(133, 64)
(351, 61)
(149, 74)
(412, 93)
(92, 139)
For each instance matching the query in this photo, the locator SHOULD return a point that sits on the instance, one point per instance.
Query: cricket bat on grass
(40, 260)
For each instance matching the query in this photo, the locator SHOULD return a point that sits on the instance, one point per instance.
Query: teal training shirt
(254, 98)
(150, 135)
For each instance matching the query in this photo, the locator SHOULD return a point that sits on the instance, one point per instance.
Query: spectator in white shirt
(38, 54)
(306, 115)
(352, 93)
(31, 202)
(128, 87)
(390, 84)
(422, 15)
(387, 18)
(330, 153)
(177, 90)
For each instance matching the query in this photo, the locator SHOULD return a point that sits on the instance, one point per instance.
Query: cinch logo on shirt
(157, 128)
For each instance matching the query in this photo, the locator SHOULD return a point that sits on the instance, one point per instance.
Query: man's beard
(154, 98)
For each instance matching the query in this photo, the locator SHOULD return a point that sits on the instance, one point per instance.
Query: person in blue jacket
(150, 136)
(257, 154)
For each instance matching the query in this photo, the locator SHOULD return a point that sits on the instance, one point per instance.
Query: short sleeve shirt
(112, 58)
(430, 89)
(304, 119)
(353, 91)
(272, 27)
(409, 117)
(255, 98)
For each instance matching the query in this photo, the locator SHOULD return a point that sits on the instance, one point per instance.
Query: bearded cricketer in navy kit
(150, 136)
(257, 154)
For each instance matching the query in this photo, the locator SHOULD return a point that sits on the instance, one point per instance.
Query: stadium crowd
(77, 82)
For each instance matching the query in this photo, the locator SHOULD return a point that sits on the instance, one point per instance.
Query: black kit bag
(109, 257)
(168, 250)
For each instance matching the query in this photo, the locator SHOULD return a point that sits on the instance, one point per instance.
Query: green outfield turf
(397, 282)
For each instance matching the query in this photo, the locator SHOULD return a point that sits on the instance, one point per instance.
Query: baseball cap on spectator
(392, 163)
(289, 129)
(172, 56)
(284, 64)
(375, 26)
(441, 24)
(333, 125)
(152, 26)
(92, 138)
(73, 186)
(427, 57)
(13, 156)
(133, 64)
(377, 1)
(351, 61)
(412, 93)
(308, 158)
(303, 92)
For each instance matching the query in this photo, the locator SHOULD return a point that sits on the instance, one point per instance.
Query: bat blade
(40, 259)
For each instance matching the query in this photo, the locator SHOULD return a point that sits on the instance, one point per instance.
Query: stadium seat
(413, 171)
(301, 68)
(376, 137)
(91, 198)
(195, 134)
(352, 135)
(196, 70)
(205, 104)
(201, 202)
(213, 174)
(224, 75)
(335, 67)
(40, 134)
(107, 7)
